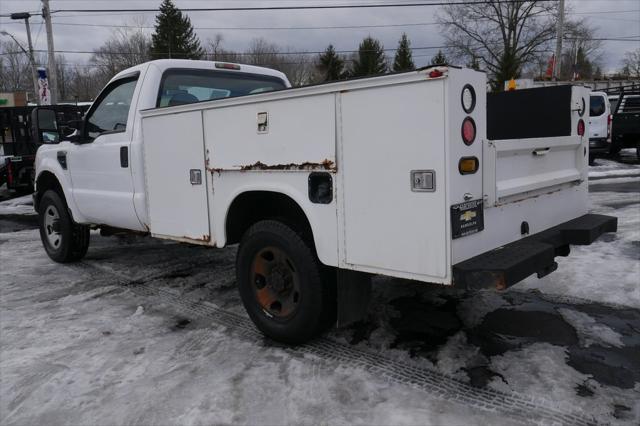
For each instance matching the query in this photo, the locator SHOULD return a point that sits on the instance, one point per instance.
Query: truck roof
(164, 64)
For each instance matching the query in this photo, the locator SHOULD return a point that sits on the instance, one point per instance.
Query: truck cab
(101, 169)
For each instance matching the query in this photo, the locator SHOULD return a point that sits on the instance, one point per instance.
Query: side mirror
(72, 130)
(44, 126)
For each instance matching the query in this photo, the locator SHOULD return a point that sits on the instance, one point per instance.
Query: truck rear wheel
(63, 240)
(280, 282)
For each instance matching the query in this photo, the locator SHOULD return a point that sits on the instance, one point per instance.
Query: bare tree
(503, 36)
(582, 53)
(125, 48)
(15, 70)
(299, 68)
(631, 63)
(215, 51)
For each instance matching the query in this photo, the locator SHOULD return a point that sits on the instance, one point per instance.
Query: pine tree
(439, 59)
(370, 58)
(403, 60)
(330, 65)
(174, 36)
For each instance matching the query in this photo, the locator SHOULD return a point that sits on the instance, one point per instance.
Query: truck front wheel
(63, 240)
(280, 283)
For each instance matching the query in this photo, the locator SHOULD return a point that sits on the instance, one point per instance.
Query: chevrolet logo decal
(468, 215)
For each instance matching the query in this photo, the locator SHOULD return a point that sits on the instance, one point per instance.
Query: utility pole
(32, 61)
(559, 34)
(53, 80)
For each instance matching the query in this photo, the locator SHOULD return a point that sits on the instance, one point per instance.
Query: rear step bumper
(507, 265)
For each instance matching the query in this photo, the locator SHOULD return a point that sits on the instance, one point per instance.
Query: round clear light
(468, 99)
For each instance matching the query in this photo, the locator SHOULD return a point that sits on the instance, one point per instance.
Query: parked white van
(600, 119)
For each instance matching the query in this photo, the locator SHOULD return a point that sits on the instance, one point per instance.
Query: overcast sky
(612, 18)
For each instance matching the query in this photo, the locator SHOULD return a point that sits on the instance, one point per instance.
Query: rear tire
(63, 239)
(281, 283)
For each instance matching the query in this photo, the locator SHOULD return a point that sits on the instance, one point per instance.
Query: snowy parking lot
(144, 331)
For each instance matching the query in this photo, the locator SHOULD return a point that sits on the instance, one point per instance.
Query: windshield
(596, 107)
(187, 86)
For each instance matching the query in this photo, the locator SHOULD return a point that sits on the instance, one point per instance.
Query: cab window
(596, 107)
(111, 110)
(186, 86)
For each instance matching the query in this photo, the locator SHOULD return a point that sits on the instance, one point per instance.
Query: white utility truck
(418, 175)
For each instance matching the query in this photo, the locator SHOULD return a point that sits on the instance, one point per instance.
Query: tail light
(609, 123)
(468, 165)
(468, 131)
(581, 127)
(436, 74)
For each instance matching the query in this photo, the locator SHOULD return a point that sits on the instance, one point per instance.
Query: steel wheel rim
(276, 282)
(52, 226)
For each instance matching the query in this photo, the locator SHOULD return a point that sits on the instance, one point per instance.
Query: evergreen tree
(439, 59)
(370, 58)
(597, 74)
(583, 68)
(174, 36)
(403, 60)
(330, 65)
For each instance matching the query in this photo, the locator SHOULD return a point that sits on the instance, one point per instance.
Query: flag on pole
(43, 87)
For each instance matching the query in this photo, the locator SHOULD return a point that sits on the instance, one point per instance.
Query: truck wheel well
(254, 206)
(45, 182)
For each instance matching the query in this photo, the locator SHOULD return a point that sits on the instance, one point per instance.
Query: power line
(299, 7)
(329, 27)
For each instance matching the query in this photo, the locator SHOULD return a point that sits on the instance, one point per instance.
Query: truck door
(99, 165)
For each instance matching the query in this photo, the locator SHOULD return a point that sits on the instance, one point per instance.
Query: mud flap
(354, 294)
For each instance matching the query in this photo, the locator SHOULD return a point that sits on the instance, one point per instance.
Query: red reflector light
(581, 127)
(468, 131)
(436, 74)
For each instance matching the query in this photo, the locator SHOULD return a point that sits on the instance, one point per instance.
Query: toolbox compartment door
(386, 226)
(176, 177)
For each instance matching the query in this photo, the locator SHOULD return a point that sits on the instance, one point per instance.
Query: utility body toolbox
(426, 174)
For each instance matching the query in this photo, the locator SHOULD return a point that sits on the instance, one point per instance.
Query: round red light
(468, 131)
(581, 127)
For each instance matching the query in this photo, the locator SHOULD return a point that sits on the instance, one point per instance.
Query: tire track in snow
(518, 407)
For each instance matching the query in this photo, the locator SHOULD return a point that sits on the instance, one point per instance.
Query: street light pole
(559, 34)
(34, 74)
(53, 77)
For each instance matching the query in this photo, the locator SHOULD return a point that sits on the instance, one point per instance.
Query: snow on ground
(151, 332)
(21, 205)
(609, 269)
(626, 162)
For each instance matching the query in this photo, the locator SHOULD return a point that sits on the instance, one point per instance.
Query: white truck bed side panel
(290, 138)
(173, 146)
(322, 217)
(387, 228)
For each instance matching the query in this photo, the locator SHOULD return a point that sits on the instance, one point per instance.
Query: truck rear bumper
(507, 265)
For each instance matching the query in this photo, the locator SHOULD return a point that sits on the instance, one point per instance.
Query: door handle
(124, 156)
(540, 152)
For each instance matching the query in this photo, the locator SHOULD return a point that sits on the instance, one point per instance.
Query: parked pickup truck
(416, 175)
(625, 107)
